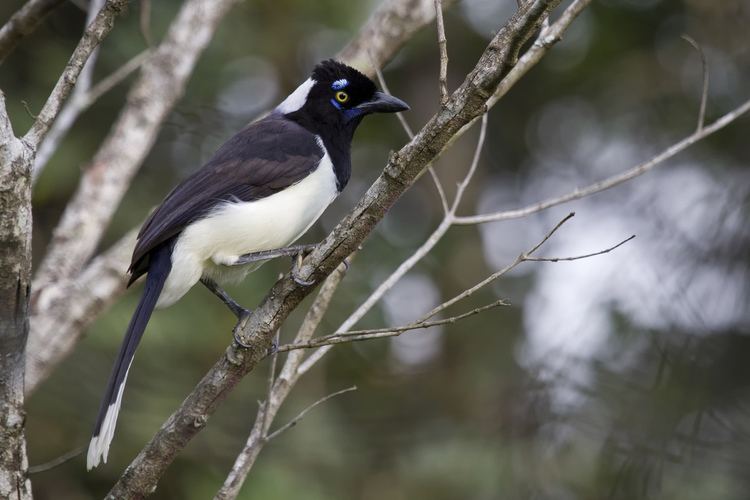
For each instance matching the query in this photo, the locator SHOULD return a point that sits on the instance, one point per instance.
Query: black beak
(383, 103)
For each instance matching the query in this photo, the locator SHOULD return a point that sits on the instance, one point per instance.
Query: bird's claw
(295, 268)
(273, 349)
(241, 317)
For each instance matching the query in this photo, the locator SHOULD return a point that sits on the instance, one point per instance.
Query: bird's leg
(291, 251)
(233, 306)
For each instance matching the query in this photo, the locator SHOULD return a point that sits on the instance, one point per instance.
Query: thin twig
(443, 46)
(145, 22)
(92, 36)
(494, 276)
(24, 22)
(577, 257)
(109, 82)
(472, 168)
(410, 134)
(614, 180)
(304, 412)
(379, 333)
(549, 234)
(35, 469)
(704, 92)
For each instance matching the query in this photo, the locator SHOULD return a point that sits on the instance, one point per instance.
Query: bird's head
(337, 95)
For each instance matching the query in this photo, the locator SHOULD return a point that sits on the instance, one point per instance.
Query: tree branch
(614, 180)
(389, 27)
(83, 97)
(15, 282)
(443, 46)
(379, 333)
(92, 36)
(466, 103)
(70, 306)
(23, 23)
(304, 412)
(704, 91)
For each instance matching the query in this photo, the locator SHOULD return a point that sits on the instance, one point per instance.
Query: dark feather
(263, 158)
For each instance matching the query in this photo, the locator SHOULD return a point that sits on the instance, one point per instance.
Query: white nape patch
(237, 228)
(99, 445)
(297, 98)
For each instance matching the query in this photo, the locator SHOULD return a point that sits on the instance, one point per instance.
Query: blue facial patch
(340, 84)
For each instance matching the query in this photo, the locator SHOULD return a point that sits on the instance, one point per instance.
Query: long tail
(159, 267)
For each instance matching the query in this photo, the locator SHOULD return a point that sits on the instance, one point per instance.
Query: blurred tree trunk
(15, 282)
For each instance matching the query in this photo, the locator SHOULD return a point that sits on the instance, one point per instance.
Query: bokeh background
(624, 376)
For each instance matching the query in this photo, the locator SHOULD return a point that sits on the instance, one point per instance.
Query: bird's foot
(273, 349)
(242, 315)
(296, 263)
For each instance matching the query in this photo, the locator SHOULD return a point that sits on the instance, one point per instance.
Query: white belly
(234, 229)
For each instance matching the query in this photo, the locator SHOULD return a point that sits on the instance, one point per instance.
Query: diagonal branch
(23, 23)
(92, 36)
(467, 103)
(380, 333)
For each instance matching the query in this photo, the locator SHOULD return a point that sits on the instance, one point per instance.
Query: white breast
(234, 229)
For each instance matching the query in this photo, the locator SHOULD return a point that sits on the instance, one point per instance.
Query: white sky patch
(659, 280)
(413, 296)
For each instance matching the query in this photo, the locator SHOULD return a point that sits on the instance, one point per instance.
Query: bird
(260, 191)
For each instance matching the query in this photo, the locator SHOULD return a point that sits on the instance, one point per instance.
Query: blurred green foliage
(657, 410)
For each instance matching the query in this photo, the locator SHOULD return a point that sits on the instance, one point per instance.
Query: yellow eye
(342, 96)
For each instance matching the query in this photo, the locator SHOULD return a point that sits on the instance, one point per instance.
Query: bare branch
(304, 412)
(69, 112)
(704, 92)
(15, 282)
(79, 102)
(145, 22)
(379, 333)
(614, 180)
(389, 27)
(466, 103)
(526, 258)
(494, 276)
(36, 469)
(461, 188)
(443, 46)
(410, 134)
(24, 22)
(92, 36)
(60, 317)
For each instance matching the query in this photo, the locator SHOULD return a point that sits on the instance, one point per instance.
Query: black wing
(260, 160)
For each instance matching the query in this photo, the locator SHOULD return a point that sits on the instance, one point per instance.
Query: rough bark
(404, 167)
(15, 282)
